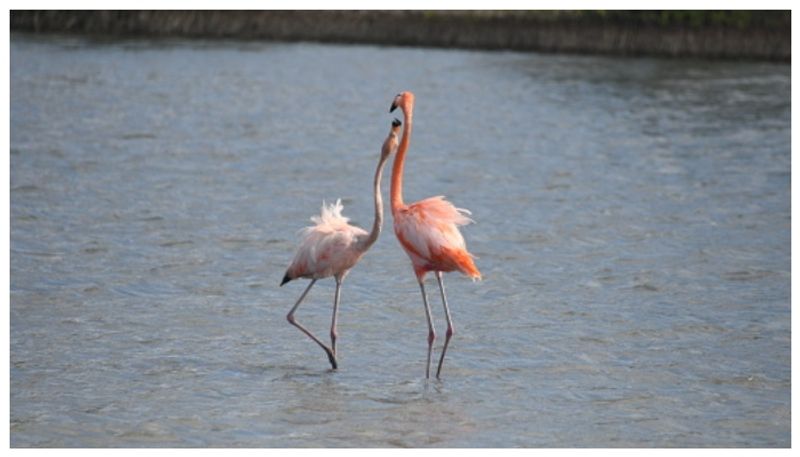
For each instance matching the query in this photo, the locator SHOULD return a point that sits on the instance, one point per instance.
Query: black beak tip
(393, 107)
(396, 122)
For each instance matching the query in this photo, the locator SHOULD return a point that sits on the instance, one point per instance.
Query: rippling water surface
(633, 229)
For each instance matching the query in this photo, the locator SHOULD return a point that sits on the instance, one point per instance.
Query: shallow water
(633, 230)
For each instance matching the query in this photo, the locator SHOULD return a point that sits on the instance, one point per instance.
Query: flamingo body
(428, 232)
(331, 247)
(328, 248)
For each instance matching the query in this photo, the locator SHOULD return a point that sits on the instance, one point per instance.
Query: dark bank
(740, 35)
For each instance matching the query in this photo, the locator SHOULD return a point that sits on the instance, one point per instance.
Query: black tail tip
(286, 279)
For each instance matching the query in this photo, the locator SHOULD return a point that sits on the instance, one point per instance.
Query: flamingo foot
(332, 360)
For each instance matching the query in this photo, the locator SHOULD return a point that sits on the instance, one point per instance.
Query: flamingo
(428, 232)
(332, 247)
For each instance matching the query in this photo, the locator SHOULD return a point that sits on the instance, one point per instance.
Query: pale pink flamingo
(332, 247)
(428, 232)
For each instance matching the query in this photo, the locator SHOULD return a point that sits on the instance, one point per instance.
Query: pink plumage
(331, 247)
(328, 247)
(428, 232)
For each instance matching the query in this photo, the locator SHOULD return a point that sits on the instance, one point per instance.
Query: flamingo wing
(428, 231)
(326, 248)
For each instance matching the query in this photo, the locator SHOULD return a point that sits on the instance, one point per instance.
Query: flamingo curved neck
(377, 224)
(397, 169)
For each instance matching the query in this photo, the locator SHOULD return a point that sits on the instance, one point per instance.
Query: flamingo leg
(431, 330)
(334, 332)
(450, 329)
(293, 321)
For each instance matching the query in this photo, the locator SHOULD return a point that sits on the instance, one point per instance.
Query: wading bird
(332, 247)
(428, 232)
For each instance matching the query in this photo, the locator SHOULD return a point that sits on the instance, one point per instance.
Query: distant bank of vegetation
(762, 35)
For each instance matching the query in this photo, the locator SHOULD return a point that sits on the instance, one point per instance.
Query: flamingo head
(390, 145)
(404, 101)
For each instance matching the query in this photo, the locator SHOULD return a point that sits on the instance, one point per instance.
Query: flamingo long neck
(378, 222)
(397, 168)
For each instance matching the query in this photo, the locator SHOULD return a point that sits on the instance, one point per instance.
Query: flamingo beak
(396, 122)
(393, 107)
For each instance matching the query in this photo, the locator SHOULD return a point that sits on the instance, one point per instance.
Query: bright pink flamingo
(332, 247)
(428, 232)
